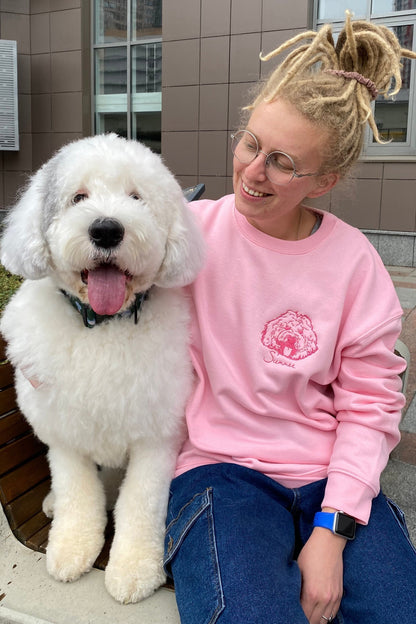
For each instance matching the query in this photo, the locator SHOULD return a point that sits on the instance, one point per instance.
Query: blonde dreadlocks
(333, 86)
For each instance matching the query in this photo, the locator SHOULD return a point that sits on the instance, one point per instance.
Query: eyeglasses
(280, 167)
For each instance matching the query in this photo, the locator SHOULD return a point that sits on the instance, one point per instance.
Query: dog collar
(91, 318)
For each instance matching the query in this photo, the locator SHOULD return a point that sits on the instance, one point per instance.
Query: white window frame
(126, 103)
(395, 151)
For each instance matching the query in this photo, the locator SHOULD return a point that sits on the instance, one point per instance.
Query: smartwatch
(338, 522)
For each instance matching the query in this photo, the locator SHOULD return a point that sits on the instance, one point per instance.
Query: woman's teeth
(252, 192)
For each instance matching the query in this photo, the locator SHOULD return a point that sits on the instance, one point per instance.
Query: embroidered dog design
(291, 334)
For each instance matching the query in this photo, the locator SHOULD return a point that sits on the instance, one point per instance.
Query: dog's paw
(67, 560)
(132, 581)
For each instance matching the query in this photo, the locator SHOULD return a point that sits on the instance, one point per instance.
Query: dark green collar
(91, 319)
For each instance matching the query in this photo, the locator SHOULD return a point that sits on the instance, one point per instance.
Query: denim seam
(190, 522)
(392, 506)
(214, 552)
(182, 509)
(206, 506)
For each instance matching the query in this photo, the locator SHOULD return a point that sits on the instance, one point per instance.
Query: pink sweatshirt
(292, 344)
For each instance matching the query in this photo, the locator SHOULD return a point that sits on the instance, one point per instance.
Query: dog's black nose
(106, 233)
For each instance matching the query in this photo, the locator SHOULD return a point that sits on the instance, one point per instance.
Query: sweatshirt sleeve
(368, 404)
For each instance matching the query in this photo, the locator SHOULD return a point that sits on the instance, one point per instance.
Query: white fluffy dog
(98, 334)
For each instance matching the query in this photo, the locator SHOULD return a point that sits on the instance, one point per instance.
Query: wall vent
(9, 126)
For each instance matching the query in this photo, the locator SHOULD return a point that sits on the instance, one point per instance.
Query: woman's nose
(257, 168)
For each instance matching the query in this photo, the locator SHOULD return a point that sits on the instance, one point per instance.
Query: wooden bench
(24, 471)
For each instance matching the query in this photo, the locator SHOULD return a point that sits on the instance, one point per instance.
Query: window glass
(147, 67)
(146, 93)
(110, 70)
(111, 90)
(390, 6)
(335, 9)
(111, 122)
(392, 115)
(146, 128)
(110, 21)
(147, 18)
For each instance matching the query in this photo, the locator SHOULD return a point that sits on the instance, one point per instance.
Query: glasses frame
(294, 174)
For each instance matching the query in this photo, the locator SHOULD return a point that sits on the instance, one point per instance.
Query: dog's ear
(184, 251)
(23, 246)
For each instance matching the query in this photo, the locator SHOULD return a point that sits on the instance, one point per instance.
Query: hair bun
(371, 50)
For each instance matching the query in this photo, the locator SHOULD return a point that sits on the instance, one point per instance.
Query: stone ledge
(395, 248)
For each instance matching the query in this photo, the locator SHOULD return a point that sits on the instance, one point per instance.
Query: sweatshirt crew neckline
(302, 246)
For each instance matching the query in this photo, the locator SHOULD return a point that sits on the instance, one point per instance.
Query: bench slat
(23, 478)
(39, 540)
(27, 505)
(2, 348)
(12, 426)
(19, 451)
(32, 526)
(6, 373)
(7, 400)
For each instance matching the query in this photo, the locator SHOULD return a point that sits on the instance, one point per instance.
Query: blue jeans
(232, 539)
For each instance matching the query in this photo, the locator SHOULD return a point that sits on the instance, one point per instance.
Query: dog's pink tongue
(106, 289)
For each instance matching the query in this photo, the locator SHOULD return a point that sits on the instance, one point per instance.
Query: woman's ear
(325, 183)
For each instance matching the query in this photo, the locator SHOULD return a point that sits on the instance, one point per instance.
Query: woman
(275, 513)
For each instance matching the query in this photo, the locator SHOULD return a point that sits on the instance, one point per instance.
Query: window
(127, 69)
(394, 118)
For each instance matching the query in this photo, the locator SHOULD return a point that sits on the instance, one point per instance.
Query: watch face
(345, 526)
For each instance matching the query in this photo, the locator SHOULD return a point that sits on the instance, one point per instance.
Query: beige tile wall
(52, 63)
(56, 75)
(210, 61)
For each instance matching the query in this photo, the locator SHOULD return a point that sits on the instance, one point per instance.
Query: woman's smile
(252, 192)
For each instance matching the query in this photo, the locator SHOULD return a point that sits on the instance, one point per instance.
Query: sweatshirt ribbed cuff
(345, 492)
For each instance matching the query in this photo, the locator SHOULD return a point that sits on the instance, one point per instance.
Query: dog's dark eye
(135, 196)
(79, 197)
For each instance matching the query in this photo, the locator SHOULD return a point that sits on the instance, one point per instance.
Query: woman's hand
(321, 566)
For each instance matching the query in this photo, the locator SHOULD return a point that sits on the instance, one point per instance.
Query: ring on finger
(327, 619)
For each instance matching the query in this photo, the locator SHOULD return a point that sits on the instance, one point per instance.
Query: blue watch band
(338, 522)
(324, 519)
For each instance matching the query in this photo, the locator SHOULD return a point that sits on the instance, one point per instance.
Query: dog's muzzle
(106, 233)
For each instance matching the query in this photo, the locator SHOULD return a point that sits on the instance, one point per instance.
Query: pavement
(399, 478)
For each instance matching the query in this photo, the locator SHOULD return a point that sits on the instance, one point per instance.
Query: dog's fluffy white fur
(115, 394)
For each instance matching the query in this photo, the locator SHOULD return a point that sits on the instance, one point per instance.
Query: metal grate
(9, 127)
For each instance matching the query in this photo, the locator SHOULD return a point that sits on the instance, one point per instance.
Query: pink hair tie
(356, 76)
